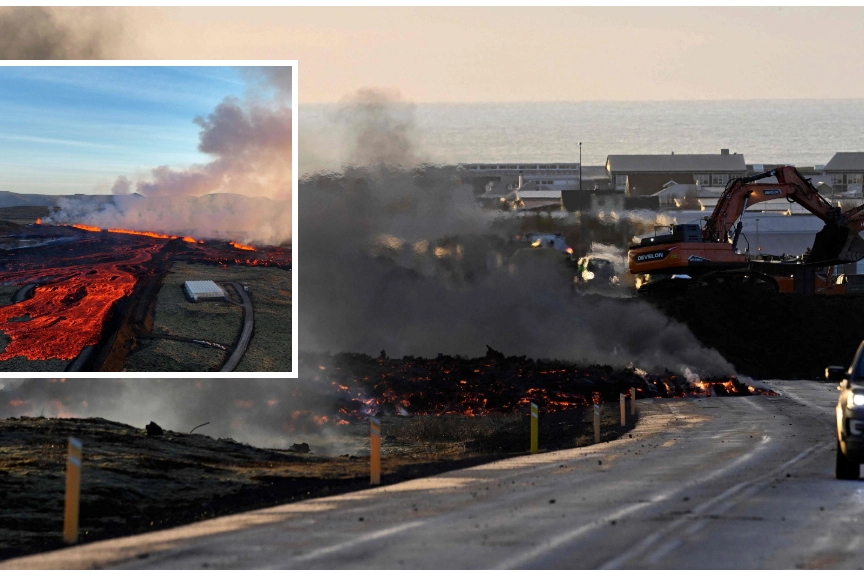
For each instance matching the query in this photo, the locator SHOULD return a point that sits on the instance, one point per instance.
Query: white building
(197, 290)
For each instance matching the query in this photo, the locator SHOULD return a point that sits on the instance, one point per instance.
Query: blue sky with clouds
(73, 130)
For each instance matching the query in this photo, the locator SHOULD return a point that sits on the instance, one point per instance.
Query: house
(645, 174)
(540, 200)
(687, 196)
(846, 170)
(511, 176)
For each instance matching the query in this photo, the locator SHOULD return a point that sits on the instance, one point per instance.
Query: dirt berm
(770, 335)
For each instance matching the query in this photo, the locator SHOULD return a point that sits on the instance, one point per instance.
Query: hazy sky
(526, 54)
(66, 130)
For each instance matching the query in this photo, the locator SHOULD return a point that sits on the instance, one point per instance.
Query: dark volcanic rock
(769, 335)
(153, 429)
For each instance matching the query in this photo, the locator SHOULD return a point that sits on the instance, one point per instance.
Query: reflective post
(73, 491)
(535, 413)
(375, 452)
(596, 423)
(623, 400)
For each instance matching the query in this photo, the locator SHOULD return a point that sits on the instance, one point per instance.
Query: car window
(858, 372)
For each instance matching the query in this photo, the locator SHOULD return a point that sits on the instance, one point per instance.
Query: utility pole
(580, 171)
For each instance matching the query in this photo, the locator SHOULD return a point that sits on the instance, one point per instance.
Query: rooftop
(843, 161)
(654, 163)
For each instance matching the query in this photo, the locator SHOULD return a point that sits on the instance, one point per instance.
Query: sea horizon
(803, 132)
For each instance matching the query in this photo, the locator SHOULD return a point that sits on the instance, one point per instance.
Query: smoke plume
(243, 194)
(262, 412)
(43, 33)
(402, 259)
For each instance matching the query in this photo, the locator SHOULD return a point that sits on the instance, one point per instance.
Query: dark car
(850, 417)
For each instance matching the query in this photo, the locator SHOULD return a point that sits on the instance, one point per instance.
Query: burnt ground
(134, 483)
(493, 383)
(770, 335)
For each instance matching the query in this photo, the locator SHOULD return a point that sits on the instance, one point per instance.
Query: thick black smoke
(372, 277)
(44, 33)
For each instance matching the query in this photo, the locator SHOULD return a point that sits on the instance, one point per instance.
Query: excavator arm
(837, 242)
(694, 251)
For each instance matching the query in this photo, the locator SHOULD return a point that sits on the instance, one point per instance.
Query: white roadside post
(73, 491)
(596, 423)
(623, 401)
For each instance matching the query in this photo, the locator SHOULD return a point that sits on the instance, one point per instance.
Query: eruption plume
(243, 194)
(43, 33)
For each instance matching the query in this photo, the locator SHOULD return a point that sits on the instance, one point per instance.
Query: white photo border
(294, 217)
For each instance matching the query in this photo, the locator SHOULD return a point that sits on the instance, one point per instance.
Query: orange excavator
(712, 254)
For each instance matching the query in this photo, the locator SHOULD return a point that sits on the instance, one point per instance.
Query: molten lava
(493, 384)
(87, 227)
(68, 307)
(141, 233)
(241, 246)
(79, 282)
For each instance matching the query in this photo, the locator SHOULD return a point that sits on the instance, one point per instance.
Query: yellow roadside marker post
(623, 400)
(375, 452)
(73, 491)
(596, 423)
(535, 412)
(633, 401)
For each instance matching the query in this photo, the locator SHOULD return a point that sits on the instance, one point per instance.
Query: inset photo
(147, 218)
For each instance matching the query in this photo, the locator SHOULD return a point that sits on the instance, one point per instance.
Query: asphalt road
(245, 332)
(713, 483)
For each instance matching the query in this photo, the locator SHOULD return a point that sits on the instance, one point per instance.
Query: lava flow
(79, 277)
(491, 384)
(68, 307)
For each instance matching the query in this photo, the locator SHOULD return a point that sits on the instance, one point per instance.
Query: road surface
(713, 483)
(245, 332)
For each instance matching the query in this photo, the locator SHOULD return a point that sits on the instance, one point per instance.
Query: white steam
(243, 194)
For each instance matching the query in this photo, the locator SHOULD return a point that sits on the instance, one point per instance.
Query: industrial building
(198, 290)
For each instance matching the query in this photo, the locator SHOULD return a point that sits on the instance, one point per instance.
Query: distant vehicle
(596, 269)
(850, 417)
(552, 240)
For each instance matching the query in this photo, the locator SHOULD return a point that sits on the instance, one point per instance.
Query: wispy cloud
(57, 141)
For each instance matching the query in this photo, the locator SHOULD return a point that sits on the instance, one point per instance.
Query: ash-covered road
(711, 483)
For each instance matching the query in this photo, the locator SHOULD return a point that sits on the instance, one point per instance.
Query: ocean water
(800, 132)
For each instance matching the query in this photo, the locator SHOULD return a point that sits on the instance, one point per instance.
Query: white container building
(197, 290)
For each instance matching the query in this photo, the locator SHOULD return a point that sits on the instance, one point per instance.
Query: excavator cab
(678, 233)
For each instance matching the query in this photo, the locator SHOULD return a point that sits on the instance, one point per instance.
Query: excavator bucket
(836, 244)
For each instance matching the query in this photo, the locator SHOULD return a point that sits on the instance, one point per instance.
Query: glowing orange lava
(77, 285)
(66, 313)
(86, 227)
(241, 246)
(142, 233)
